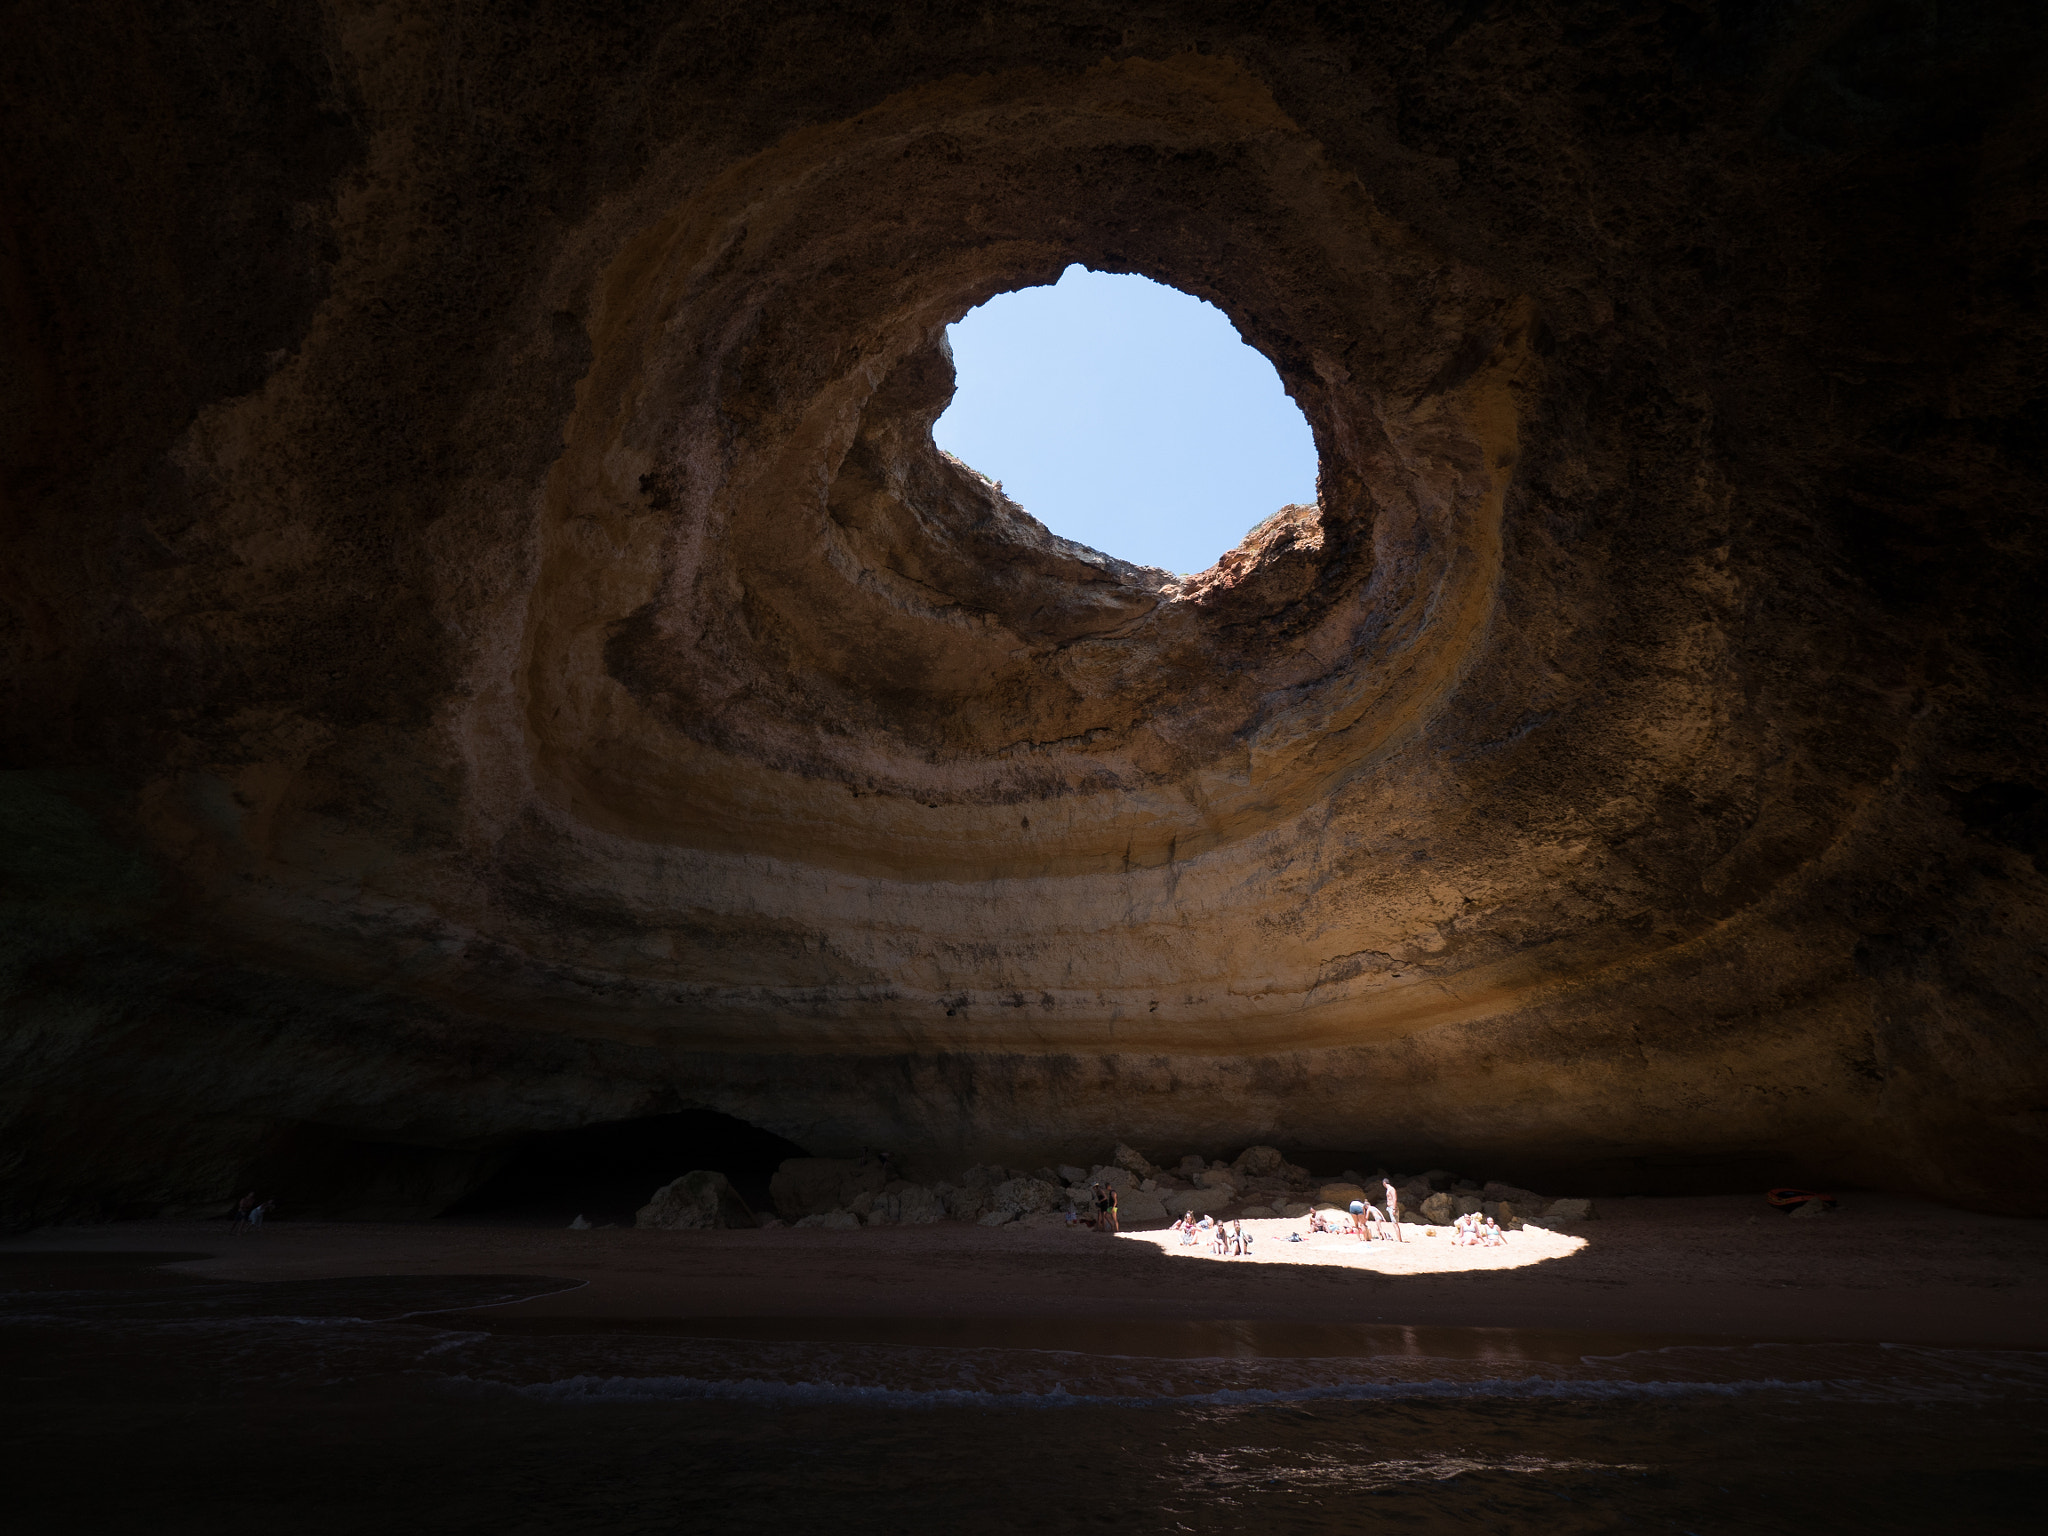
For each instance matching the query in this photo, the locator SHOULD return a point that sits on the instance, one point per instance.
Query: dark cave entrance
(606, 1172)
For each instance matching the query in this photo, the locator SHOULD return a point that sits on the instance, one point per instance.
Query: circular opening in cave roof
(1127, 416)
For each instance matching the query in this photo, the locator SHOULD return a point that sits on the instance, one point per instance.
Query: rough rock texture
(808, 1186)
(490, 646)
(697, 1199)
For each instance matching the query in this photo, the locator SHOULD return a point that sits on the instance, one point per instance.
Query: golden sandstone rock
(492, 646)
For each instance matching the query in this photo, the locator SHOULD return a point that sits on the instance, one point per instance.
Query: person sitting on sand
(1187, 1230)
(1495, 1238)
(1394, 1210)
(1244, 1238)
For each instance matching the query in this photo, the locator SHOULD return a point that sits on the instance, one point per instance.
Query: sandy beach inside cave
(1885, 1268)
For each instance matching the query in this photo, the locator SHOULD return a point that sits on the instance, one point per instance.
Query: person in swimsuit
(243, 1207)
(1107, 1206)
(1394, 1210)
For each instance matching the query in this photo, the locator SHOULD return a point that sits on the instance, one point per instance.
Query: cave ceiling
(492, 647)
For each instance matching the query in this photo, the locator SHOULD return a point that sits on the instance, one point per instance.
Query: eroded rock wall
(492, 647)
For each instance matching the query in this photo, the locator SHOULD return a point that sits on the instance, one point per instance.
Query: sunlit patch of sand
(1420, 1255)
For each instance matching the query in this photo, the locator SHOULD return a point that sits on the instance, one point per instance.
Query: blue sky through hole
(1126, 415)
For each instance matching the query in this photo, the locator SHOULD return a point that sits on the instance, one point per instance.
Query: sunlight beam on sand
(1420, 1255)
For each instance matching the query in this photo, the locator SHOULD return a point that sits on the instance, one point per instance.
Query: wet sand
(1885, 1268)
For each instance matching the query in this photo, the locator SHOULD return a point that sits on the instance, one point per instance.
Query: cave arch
(876, 592)
(606, 1171)
(518, 663)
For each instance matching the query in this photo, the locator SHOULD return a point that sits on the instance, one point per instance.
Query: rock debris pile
(1259, 1182)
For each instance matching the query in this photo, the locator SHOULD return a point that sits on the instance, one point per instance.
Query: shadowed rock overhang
(493, 647)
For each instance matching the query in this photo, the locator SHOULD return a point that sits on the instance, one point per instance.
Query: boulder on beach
(1141, 1209)
(1133, 1161)
(1340, 1195)
(1568, 1210)
(1439, 1208)
(904, 1204)
(1258, 1212)
(1259, 1162)
(962, 1202)
(1022, 1196)
(810, 1186)
(699, 1198)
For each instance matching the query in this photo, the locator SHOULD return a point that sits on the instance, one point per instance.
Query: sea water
(138, 1400)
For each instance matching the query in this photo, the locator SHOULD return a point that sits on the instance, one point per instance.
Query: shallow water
(139, 1400)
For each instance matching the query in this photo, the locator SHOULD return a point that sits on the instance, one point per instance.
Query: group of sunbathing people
(1365, 1222)
(1368, 1225)
(1225, 1237)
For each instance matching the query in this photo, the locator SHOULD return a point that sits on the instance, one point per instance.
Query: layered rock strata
(491, 646)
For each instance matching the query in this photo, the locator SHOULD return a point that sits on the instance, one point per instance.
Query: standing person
(1109, 1214)
(258, 1212)
(1358, 1219)
(243, 1207)
(1394, 1210)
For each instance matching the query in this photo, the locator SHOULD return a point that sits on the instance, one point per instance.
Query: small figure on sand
(1105, 1208)
(260, 1210)
(1394, 1211)
(243, 1207)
